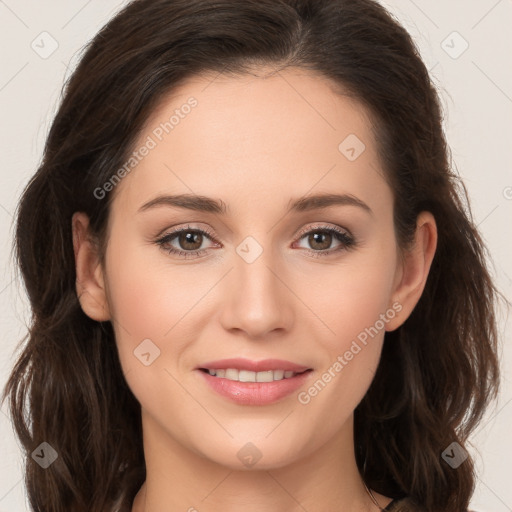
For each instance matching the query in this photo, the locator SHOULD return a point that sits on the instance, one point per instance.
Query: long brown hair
(438, 370)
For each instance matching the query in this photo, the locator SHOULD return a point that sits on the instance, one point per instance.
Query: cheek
(350, 297)
(353, 302)
(147, 302)
(355, 307)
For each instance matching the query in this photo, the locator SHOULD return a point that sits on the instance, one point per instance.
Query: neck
(324, 479)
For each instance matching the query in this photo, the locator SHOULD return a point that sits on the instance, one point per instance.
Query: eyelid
(323, 225)
(183, 226)
(172, 232)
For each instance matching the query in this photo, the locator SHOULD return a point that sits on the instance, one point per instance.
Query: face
(267, 273)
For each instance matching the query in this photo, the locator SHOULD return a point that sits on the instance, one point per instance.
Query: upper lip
(254, 366)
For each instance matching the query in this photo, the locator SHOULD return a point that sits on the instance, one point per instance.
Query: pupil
(190, 238)
(317, 239)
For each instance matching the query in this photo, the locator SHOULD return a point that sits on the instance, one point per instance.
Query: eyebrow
(210, 205)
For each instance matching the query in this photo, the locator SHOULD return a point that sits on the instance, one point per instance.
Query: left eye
(320, 239)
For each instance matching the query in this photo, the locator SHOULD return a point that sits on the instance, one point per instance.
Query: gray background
(475, 84)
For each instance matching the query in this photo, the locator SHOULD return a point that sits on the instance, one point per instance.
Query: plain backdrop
(466, 45)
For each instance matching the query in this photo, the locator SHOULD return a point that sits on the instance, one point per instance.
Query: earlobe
(412, 274)
(90, 283)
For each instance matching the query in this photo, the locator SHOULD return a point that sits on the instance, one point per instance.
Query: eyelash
(347, 241)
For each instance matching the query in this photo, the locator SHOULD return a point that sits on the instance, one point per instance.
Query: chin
(259, 454)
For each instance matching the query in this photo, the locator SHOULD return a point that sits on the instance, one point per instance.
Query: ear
(90, 283)
(413, 269)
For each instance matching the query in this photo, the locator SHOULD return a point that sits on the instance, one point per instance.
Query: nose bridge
(256, 297)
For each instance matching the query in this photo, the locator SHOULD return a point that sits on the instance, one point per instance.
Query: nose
(257, 297)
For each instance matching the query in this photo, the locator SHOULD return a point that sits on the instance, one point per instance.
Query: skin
(257, 142)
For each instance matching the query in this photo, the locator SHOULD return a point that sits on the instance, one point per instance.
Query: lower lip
(255, 393)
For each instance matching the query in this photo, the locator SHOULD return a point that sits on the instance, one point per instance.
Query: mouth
(254, 382)
(238, 375)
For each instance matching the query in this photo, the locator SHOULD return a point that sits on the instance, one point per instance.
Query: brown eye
(190, 240)
(320, 240)
(185, 242)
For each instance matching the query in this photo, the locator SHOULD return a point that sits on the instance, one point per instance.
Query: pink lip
(254, 393)
(254, 366)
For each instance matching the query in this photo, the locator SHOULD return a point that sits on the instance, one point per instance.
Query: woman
(196, 343)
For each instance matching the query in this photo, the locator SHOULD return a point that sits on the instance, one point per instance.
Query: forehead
(266, 133)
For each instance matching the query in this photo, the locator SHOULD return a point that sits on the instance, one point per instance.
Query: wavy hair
(438, 371)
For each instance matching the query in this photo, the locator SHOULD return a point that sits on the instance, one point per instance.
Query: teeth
(267, 376)
(231, 374)
(248, 376)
